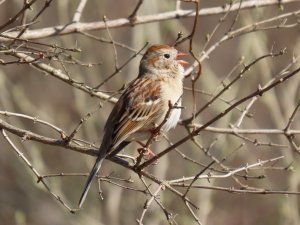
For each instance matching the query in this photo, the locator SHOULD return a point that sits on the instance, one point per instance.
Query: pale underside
(136, 115)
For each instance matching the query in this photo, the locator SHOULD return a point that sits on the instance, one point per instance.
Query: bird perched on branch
(144, 105)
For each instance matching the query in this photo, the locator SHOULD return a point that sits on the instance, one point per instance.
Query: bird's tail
(88, 183)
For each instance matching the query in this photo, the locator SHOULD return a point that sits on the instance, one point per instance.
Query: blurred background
(28, 91)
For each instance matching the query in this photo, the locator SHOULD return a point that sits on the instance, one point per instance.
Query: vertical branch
(132, 16)
(236, 16)
(289, 136)
(23, 20)
(78, 12)
(113, 44)
(190, 38)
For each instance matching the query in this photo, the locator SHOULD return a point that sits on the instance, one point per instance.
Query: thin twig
(26, 6)
(121, 67)
(132, 16)
(24, 28)
(229, 173)
(35, 172)
(113, 44)
(239, 76)
(259, 92)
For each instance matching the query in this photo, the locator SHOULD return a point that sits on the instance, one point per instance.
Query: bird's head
(162, 59)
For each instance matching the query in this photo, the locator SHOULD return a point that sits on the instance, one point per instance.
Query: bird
(144, 105)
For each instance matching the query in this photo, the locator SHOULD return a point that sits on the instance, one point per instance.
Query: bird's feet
(147, 153)
(155, 134)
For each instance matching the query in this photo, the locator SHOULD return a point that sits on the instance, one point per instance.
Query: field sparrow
(144, 105)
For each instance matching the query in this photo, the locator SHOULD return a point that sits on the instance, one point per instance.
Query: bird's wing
(137, 109)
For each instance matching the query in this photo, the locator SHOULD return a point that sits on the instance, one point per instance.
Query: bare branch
(259, 92)
(75, 27)
(30, 166)
(78, 12)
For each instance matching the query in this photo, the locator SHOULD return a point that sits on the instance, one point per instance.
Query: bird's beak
(182, 62)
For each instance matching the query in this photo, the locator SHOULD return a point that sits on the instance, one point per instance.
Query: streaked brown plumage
(143, 105)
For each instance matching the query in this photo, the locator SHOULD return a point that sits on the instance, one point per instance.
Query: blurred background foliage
(31, 92)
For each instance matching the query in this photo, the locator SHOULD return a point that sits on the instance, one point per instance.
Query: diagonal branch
(62, 76)
(259, 92)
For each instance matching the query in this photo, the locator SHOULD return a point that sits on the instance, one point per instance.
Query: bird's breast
(172, 92)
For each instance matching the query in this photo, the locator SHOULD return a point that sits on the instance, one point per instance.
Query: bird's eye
(167, 56)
